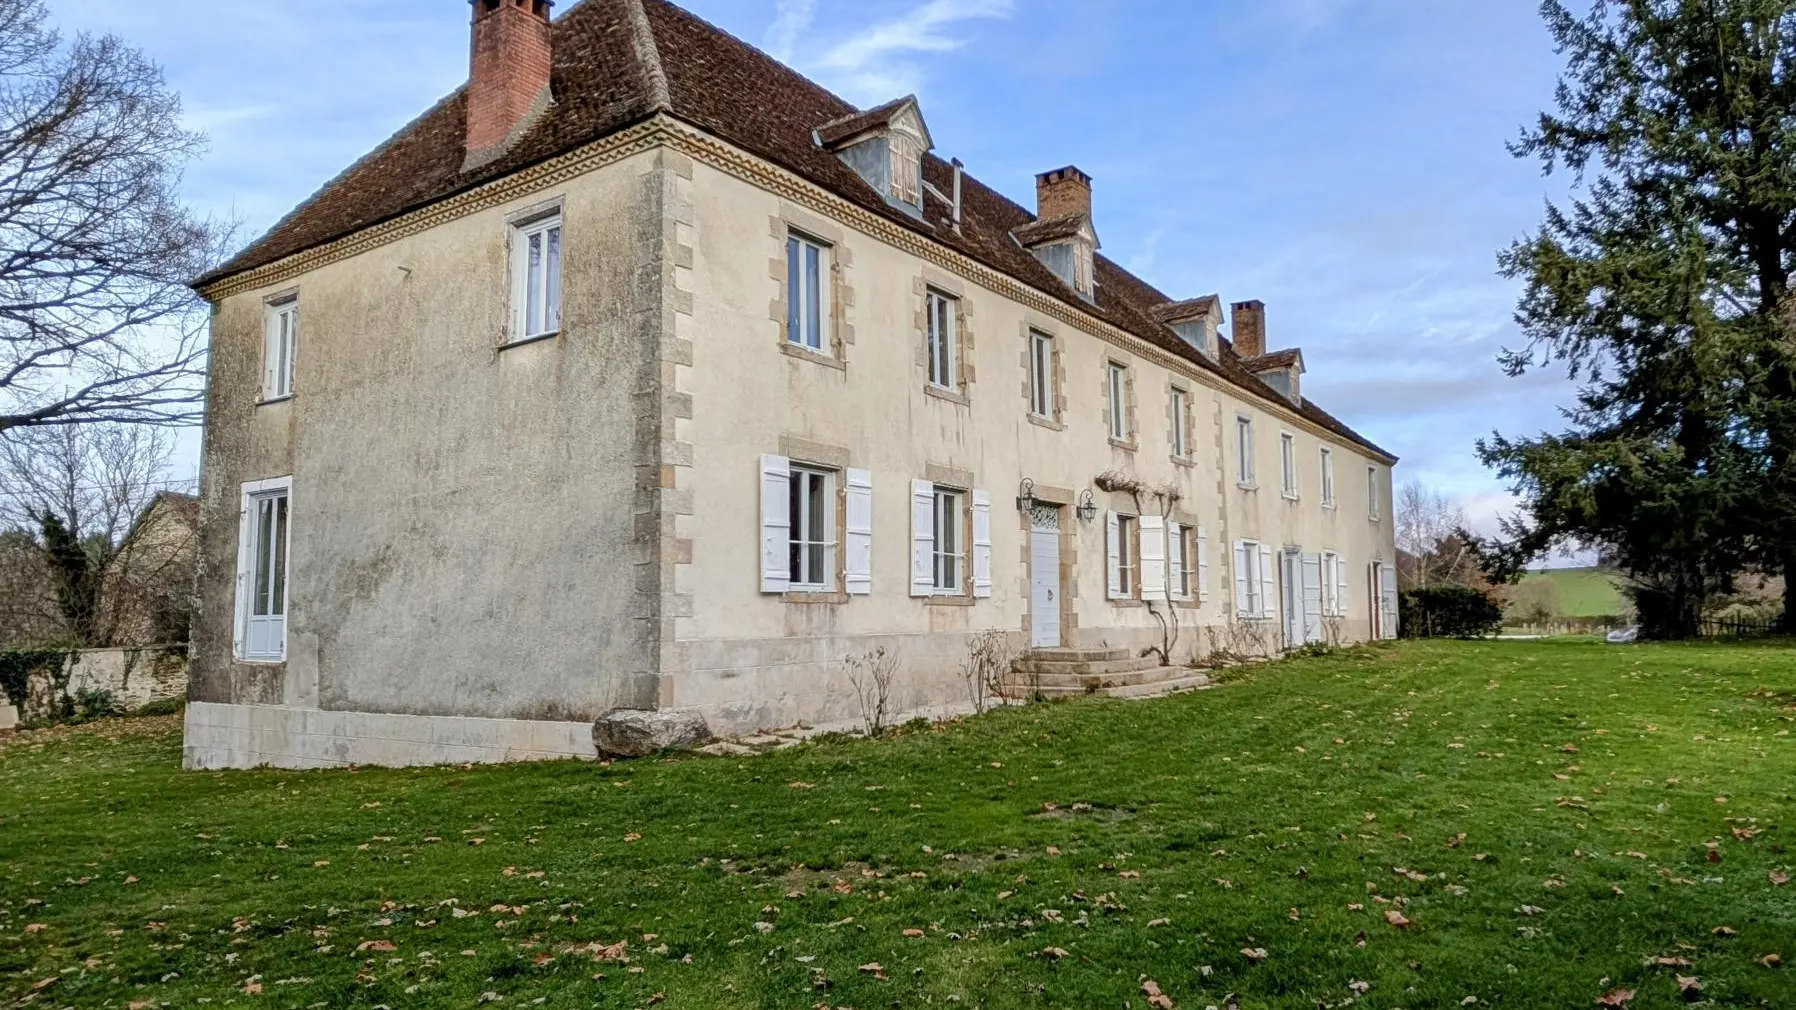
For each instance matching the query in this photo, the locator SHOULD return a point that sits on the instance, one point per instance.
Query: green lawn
(1585, 592)
(1635, 803)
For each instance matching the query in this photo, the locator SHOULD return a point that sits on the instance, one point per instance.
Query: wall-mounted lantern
(1088, 507)
(1025, 497)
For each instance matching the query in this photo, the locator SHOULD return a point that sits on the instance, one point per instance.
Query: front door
(1291, 597)
(1044, 579)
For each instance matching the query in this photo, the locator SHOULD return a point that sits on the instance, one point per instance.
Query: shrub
(1449, 612)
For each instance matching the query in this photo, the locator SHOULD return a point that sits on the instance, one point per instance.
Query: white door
(1291, 597)
(1044, 580)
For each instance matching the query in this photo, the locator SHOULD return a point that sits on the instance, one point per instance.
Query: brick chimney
(1064, 192)
(1250, 329)
(508, 85)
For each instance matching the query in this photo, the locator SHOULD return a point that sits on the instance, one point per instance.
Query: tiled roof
(1277, 359)
(1192, 308)
(619, 62)
(1053, 230)
(832, 133)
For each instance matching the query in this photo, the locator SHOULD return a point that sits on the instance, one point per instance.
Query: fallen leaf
(1725, 931)
(1672, 962)
(46, 983)
(1255, 954)
(1157, 923)
(875, 969)
(1779, 878)
(1358, 987)
(1771, 961)
(1396, 919)
(36, 927)
(632, 837)
(1054, 952)
(914, 933)
(1615, 997)
(1745, 834)
(378, 946)
(252, 988)
(1156, 998)
(1691, 987)
(1531, 910)
(130, 880)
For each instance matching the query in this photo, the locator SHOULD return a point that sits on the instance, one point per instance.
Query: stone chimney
(1250, 329)
(508, 85)
(1062, 193)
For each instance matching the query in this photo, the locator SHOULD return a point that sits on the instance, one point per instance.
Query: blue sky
(1341, 160)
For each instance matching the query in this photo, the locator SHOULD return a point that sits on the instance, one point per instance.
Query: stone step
(1087, 669)
(1076, 655)
(1121, 678)
(1151, 689)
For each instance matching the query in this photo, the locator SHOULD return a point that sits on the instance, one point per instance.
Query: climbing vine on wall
(18, 666)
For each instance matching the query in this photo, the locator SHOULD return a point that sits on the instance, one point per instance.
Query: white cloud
(871, 66)
(792, 18)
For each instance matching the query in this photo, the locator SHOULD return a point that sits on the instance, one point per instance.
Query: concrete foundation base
(257, 736)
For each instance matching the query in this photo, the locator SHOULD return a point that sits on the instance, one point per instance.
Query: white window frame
(1244, 453)
(1181, 561)
(1125, 556)
(548, 230)
(1287, 462)
(943, 336)
(1252, 554)
(801, 288)
(1328, 477)
(251, 554)
(805, 538)
(279, 342)
(950, 556)
(1374, 500)
(1118, 385)
(1041, 375)
(1181, 422)
(1334, 584)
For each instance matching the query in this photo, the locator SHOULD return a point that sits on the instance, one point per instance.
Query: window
(262, 572)
(1125, 545)
(1119, 404)
(1256, 583)
(943, 340)
(281, 331)
(948, 561)
(813, 531)
(807, 293)
(1372, 495)
(1244, 451)
(1328, 477)
(1181, 421)
(1181, 561)
(536, 278)
(1287, 456)
(1041, 374)
(1334, 585)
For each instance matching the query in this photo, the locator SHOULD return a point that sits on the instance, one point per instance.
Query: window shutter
(857, 572)
(1175, 560)
(1340, 586)
(1243, 576)
(271, 352)
(1389, 600)
(1268, 585)
(1203, 566)
(922, 533)
(244, 535)
(1153, 557)
(1113, 552)
(982, 545)
(776, 524)
(1312, 598)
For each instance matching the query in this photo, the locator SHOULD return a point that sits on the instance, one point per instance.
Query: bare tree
(1428, 528)
(80, 493)
(96, 248)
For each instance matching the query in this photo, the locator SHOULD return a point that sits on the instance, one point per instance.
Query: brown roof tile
(608, 76)
(1051, 230)
(1276, 359)
(833, 133)
(1191, 308)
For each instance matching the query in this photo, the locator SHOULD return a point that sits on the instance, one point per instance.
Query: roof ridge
(648, 54)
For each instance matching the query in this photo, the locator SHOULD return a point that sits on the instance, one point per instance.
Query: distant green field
(1585, 592)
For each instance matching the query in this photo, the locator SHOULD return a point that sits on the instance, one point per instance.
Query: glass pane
(279, 551)
(264, 531)
(794, 292)
(813, 307)
(553, 293)
(533, 286)
(796, 533)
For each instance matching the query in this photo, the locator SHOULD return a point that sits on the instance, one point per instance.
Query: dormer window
(885, 147)
(1062, 236)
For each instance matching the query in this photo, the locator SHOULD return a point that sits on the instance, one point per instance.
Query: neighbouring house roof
(619, 62)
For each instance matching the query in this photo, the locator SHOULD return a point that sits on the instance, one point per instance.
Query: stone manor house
(642, 372)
